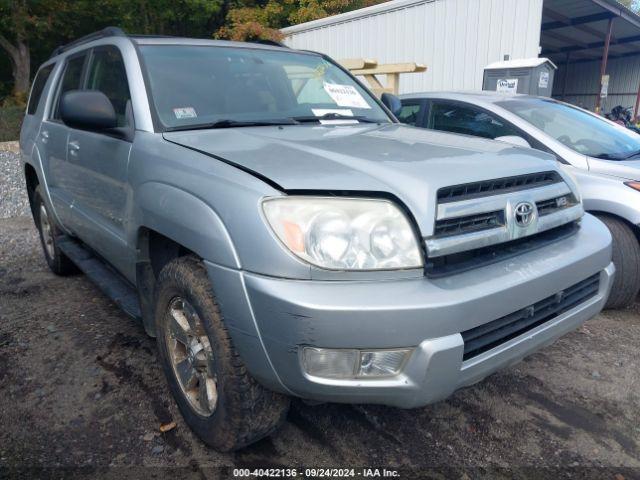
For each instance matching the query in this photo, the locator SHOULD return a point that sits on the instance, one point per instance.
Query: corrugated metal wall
(456, 39)
(583, 83)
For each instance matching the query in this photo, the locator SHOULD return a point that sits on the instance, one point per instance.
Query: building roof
(520, 63)
(354, 15)
(578, 28)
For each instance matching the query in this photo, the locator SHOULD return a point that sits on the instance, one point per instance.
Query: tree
(31, 29)
(251, 20)
(14, 27)
(633, 5)
(247, 21)
(25, 23)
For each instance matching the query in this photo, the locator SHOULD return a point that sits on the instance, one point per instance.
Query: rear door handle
(74, 147)
(45, 136)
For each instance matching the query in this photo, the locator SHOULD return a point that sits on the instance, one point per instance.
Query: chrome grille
(490, 335)
(455, 263)
(471, 223)
(471, 232)
(498, 186)
(547, 207)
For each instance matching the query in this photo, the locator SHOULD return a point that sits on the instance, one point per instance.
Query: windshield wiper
(229, 123)
(631, 155)
(335, 116)
(609, 156)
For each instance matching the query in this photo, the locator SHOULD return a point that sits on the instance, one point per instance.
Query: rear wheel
(217, 397)
(49, 232)
(626, 258)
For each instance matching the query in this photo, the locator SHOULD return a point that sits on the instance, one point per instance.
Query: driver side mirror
(514, 140)
(392, 102)
(87, 110)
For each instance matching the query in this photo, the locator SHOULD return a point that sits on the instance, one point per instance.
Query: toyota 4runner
(280, 234)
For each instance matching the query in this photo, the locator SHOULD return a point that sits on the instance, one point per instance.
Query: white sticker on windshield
(185, 112)
(345, 95)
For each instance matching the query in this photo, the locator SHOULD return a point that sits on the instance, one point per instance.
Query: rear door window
(71, 79)
(38, 87)
(468, 120)
(107, 74)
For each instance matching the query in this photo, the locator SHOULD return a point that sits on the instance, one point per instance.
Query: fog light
(381, 363)
(346, 364)
(321, 362)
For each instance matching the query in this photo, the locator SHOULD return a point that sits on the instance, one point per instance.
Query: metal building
(456, 39)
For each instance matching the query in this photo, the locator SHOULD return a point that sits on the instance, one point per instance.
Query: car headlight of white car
(345, 233)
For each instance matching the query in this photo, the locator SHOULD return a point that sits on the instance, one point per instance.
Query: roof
(150, 40)
(115, 32)
(473, 97)
(354, 15)
(520, 63)
(577, 29)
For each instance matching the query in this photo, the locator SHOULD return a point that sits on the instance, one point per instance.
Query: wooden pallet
(369, 68)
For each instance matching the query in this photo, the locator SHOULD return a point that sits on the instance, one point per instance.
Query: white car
(604, 157)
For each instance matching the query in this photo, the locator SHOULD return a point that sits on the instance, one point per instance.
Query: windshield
(580, 131)
(200, 85)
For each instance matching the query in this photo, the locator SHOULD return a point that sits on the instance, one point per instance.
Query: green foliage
(633, 5)
(250, 20)
(45, 24)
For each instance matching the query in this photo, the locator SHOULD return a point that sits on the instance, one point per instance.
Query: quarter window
(410, 113)
(456, 118)
(38, 87)
(107, 74)
(70, 80)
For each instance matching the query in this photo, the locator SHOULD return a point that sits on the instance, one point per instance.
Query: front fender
(612, 196)
(187, 220)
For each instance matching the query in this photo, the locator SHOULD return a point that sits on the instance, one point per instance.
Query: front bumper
(423, 313)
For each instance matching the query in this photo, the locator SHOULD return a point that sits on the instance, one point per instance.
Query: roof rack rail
(105, 32)
(273, 43)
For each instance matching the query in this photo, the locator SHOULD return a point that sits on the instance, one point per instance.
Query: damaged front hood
(407, 162)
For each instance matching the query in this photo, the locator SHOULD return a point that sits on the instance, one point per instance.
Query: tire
(224, 405)
(626, 258)
(49, 232)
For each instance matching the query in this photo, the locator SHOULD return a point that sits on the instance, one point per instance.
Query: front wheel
(217, 397)
(626, 258)
(49, 232)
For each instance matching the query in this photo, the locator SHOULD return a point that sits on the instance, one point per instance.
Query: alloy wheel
(191, 356)
(47, 231)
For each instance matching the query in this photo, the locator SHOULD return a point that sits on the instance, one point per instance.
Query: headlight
(344, 233)
(634, 185)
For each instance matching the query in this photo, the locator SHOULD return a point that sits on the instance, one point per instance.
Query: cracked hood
(407, 162)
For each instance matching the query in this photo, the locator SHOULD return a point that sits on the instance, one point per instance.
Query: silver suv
(270, 222)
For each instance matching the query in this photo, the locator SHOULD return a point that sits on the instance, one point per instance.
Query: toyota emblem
(524, 214)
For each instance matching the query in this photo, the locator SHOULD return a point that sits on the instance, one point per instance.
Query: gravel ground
(80, 386)
(13, 197)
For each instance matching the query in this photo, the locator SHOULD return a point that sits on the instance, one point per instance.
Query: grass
(10, 121)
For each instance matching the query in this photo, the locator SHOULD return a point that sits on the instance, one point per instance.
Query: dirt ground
(80, 386)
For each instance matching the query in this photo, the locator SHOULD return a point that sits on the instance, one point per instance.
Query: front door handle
(74, 147)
